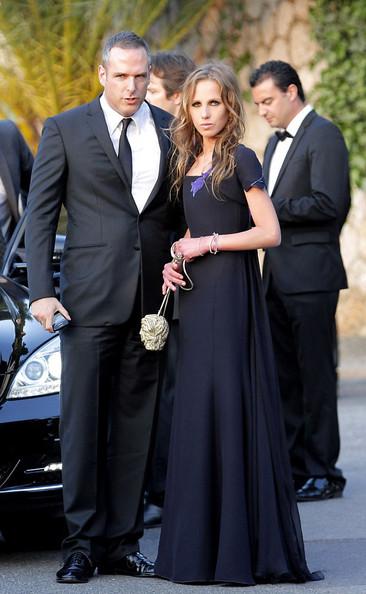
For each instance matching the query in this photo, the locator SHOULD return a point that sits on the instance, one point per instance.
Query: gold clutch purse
(154, 327)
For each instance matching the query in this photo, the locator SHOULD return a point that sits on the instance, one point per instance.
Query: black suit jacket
(16, 161)
(312, 198)
(109, 244)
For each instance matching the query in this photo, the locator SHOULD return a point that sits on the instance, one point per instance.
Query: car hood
(20, 334)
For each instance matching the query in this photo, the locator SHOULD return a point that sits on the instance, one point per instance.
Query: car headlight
(40, 374)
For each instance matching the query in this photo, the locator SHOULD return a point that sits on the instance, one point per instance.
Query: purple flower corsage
(198, 183)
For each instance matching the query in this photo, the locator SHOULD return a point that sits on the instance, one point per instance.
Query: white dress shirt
(283, 146)
(145, 148)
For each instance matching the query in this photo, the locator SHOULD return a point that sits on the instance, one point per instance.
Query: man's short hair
(124, 40)
(282, 73)
(173, 68)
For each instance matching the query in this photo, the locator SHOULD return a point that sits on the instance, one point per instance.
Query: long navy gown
(230, 513)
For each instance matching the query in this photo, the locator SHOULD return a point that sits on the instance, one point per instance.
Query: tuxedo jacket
(16, 161)
(111, 249)
(312, 198)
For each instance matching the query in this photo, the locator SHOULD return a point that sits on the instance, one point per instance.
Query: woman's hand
(192, 247)
(172, 277)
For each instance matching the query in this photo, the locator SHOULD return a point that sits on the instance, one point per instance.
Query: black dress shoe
(134, 564)
(77, 569)
(152, 515)
(317, 489)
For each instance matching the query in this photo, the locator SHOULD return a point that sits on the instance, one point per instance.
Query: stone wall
(246, 33)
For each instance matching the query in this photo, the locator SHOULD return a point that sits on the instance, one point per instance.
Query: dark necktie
(282, 134)
(124, 151)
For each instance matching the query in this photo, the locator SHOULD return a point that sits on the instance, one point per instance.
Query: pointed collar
(113, 118)
(296, 122)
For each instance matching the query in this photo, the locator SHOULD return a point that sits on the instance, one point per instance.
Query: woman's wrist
(204, 245)
(208, 244)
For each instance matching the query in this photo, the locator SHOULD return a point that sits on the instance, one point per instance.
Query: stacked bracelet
(214, 244)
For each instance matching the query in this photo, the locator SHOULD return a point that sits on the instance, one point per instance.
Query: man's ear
(292, 92)
(176, 98)
(102, 74)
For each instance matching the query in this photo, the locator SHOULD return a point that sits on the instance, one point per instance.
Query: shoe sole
(309, 499)
(130, 574)
(71, 581)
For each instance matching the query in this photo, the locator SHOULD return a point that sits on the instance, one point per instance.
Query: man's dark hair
(124, 40)
(282, 73)
(173, 69)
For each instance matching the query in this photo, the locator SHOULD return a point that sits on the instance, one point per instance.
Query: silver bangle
(214, 244)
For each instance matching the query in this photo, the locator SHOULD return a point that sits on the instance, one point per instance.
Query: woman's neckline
(203, 174)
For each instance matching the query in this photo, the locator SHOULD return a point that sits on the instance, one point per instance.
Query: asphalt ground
(334, 530)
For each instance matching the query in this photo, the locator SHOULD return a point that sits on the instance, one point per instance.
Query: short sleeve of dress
(248, 169)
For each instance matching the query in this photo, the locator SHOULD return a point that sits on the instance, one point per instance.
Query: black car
(30, 366)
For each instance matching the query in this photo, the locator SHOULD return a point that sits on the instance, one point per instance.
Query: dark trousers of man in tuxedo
(308, 378)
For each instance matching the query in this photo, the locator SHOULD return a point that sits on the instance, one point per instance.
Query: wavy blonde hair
(187, 142)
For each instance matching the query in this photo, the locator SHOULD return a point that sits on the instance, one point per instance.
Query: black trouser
(108, 398)
(157, 467)
(305, 343)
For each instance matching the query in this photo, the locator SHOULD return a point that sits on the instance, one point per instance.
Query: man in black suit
(106, 161)
(16, 161)
(306, 170)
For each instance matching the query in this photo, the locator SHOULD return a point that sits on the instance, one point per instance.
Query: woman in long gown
(230, 513)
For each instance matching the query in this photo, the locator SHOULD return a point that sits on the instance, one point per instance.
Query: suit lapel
(9, 186)
(268, 157)
(98, 124)
(162, 123)
(296, 141)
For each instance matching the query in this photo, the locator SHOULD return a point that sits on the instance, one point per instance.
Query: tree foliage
(49, 50)
(339, 27)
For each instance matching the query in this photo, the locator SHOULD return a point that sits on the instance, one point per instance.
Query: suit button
(136, 247)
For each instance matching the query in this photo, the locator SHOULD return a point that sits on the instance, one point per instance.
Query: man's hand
(44, 309)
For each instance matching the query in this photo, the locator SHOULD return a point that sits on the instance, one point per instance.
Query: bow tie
(281, 135)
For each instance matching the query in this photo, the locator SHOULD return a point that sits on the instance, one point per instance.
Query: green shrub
(339, 28)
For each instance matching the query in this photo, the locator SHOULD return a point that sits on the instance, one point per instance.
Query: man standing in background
(16, 161)
(169, 70)
(306, 171)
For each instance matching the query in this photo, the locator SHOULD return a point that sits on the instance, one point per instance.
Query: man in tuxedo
(16, 161)
(169, 71)
(306, 170)
(106, 161)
